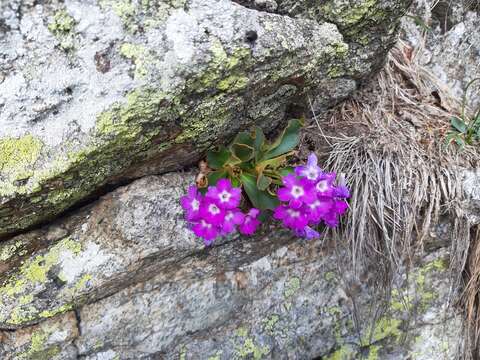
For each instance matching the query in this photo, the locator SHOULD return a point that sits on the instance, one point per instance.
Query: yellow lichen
(17, 154)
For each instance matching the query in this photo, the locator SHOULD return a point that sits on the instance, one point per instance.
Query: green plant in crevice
(255, 164)
(465, 129)
(257, 170)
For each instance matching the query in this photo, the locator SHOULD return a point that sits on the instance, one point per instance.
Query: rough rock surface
(450, 47)
(89, 90)
(123, 279)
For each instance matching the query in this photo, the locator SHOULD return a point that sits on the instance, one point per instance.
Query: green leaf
(272, 163)
(214, 176)
(216, 159)
(242, 151)
(458, 124)
(260, 199)
(287, 141)
(263, 216)
(263, 182)
(244, 138)
(259, 143)
(286, 171)
(243, 146)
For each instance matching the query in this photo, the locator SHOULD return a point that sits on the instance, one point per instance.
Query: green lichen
(373, 352)
(251, 350)
(382, 329)
(62, 23)
(62, 27)
(183, 353)
(35, 271)
(140, 57)
(18, 154)
(51, 313)
(292, 287)
(38, 350)
(330, 276)
(125, 10)
(270, 323)
(225, 72)
(343, 353)
(436, 265)
(348, 14)
(10, 249)
(217, 356)
(242, 332)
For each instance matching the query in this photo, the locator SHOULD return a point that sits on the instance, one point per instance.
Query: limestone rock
(95, 92)
(143, 288)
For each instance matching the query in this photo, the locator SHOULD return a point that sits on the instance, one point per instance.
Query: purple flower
(232, 218)
(331, 220)
(291, 217)
(324, 186)
(340, 206)
(226, 196)
(308, 233)
(318, 209)
(311, 171)
(251, 223)
(206, 231)
(191, 203)
(296, 191)
(211, 212)
(341, 190)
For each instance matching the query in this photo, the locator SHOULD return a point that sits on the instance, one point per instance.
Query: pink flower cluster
(217, 213)
(309, 197)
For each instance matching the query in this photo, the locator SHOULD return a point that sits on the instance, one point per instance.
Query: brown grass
(389, 141)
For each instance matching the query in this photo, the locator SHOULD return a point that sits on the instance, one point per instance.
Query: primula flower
(324, 186)
(251, 223)
(226, 196)
(296, 191)
(191, 203)
(339, 207)
(206, 231)
(211, 212)
(311, 171)
(341, 190)
(308, 233)
(318, 209)
(291, 218)
(232, 218)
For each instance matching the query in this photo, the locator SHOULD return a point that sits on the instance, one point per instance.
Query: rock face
(95, 92)
(123, 279)
(451, 46)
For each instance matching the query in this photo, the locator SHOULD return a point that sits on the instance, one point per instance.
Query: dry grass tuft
(389, 141)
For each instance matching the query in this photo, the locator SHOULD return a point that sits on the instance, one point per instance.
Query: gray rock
(450, 49)
(96, 92)
(143, 288)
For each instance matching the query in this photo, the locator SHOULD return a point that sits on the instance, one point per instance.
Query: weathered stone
(451, 45)
(50, 340)
(143, 287)
(93, 92)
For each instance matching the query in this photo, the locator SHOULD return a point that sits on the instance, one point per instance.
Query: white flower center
(315, 205)
(229, 216)
(225, 196)
(206, 225)
(293, 213)
(322, 186)
(213, 209)
(195, 204)
(297, 191)
(312, 174)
